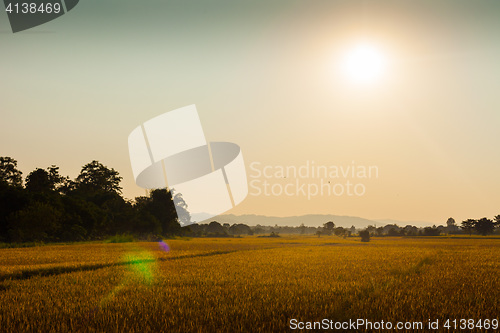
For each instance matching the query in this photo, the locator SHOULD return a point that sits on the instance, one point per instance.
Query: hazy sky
(265, 75)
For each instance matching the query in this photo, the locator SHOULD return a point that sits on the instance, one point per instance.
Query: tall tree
(9, 172)
(161, 206)
(39, 181)
(183, 215)
(484, 226)
(468, 225)
(329, 226)
(497, 221)
(97, 177)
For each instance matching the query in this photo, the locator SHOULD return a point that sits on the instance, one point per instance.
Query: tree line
(49, 207)
(481, 226)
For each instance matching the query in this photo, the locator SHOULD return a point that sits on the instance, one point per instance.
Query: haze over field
(315, 220)
(410, 87)
(295, 221)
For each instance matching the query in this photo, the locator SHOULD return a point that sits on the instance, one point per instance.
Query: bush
(365, 235)
(431, 231)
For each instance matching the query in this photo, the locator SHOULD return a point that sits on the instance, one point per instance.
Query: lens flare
(140, 269)
(164, 246)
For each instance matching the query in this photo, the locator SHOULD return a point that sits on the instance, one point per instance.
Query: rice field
(249, 284)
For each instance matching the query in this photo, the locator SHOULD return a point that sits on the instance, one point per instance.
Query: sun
(364, 64)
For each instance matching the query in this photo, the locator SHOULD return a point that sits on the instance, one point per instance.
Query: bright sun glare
(364, 64)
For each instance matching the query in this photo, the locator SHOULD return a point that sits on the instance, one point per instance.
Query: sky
(268, 76)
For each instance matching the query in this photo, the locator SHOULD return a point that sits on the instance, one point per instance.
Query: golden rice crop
(246, 284)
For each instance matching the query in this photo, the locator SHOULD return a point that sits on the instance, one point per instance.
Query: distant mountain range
(311, 220)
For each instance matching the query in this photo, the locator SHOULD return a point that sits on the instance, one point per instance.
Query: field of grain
(246, 284)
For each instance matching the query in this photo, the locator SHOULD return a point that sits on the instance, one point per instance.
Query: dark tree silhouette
(160, 205)
(484, 226)
(95, 176)
(215, 228)
(54, 208)
(37, 222)
(240, 229)
(12, 199)
(365, 235)
(9, 172)
(39, 181)
(393, 232)
(329, 226)
(431, 231)
(468, 226)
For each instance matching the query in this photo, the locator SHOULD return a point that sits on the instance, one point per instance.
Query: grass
(120, 239)
(246, 284)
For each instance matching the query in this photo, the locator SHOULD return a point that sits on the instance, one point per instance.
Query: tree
(9, 172)
(12, 199)
(371, 229)
(431, 231)
(258, 229)
(352, 230)
(410, 230)
(497, 221)
(451, 226)
(39, 181)
(484, 226)
(56, 180)
(160, 205)
(339, 231)
(215, 228)
(240, 229)
(37, 222)
(329, 226)
(468, 225)
(81, 212)
(183, 215)
(119, 216)
(96, 177)
(365, 235)
(393, 232)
